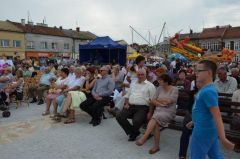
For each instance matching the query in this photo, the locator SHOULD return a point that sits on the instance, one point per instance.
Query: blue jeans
(60, 103)
(202, 147)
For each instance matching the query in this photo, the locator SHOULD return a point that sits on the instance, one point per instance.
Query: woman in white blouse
(60, 84)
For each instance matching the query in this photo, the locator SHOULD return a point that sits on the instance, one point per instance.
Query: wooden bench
(226, 106)
(230, 134)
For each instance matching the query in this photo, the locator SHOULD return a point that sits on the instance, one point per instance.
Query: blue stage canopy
(103, 50)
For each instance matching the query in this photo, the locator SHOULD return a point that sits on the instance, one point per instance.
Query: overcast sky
(113, 17)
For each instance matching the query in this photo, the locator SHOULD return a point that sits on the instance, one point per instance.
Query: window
(66, 46)
(16, 43)
(54, 45)
(218, 46)
(44, 45)
(30, 45)
(203, 45)
(208, 45)
(4, 43)
(237, 45)
(215, 46)
(227, 45)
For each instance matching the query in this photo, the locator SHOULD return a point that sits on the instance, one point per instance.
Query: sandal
(45, 113)
(57, 119)
(69, 121)
(62, 115)
(153, 151)
(54, 116)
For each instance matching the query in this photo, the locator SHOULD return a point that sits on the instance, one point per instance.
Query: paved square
(28, 135)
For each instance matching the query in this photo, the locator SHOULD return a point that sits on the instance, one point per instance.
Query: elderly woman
(118, 77)
(75, 83)
(182, 83)
(16, 87)
(151, 74)
(6, 78)
(59, 85)
(164, 102)
(235, 74)
(184, 86)
(75, 98)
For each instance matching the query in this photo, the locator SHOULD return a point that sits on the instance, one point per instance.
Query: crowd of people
(147, 95)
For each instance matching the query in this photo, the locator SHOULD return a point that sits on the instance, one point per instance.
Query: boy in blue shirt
(206, 116)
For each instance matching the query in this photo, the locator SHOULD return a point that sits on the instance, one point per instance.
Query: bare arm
(114, 77)
(15, 85)
(72, 89)
(4, 79)
(162, 102)
(61, 86)
(165, 100)
(126, 103)
(219, 124)
(90, 85)
(151, 108)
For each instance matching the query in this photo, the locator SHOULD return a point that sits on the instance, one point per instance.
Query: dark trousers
(2, 98)
(19, 95)
(95, 107)
(138, 114)
(39, 91)
(184, 141)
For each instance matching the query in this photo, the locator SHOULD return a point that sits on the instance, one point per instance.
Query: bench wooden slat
(225, 94)
(230, 134)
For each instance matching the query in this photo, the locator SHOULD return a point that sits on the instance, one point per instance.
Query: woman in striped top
(16, 87)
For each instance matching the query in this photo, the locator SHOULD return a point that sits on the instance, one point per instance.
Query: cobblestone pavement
(28, 135)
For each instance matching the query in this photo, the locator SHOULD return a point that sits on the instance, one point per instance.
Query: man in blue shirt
(43, 85)
(101, 93)
(206, 116)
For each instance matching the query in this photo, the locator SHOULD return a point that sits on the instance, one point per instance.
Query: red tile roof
(232, 32)
(35, 29)
(216, 32)
(193, 36)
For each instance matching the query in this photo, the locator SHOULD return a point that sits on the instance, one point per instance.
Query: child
(206, 116)
(52, 89)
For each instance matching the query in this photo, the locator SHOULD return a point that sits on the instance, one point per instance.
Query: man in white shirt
(136, 105)
(225, 83)
(71, 72)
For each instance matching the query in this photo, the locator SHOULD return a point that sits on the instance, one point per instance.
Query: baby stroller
(4, 107)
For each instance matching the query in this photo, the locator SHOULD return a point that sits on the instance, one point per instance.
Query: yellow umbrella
(133, 56)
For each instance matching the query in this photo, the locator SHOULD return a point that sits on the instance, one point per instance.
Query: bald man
(136, 105)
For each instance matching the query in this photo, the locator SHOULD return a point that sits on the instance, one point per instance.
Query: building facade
(232, 40)
(48, 46)
(79, 38)
(212, 39)
(12, 42)
(42, 41)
